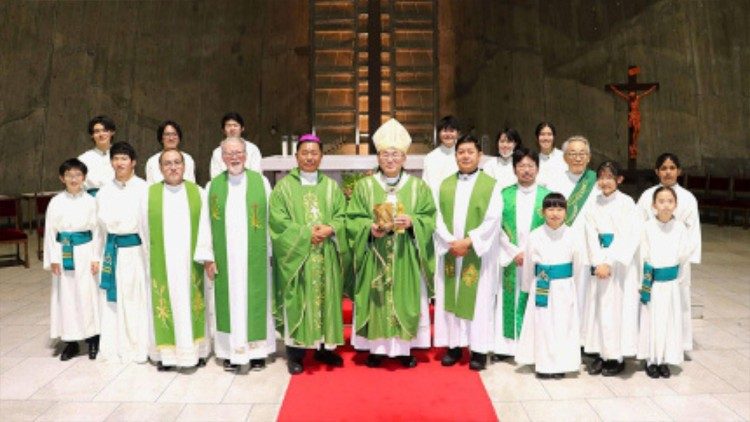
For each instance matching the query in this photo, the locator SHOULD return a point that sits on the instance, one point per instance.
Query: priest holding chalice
(390, 221)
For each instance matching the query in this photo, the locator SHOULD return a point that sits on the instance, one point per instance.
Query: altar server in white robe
(97, 159)
(551, 161)
(124, 300)
(169, 217)
(578, 185)
(522, 213)
(665, 252)
(668, 170)
(169, 136)
(233, 126)
(234, 247)
(441, 161)
(550, 337)
(501, 167)
(467, 247)
(72, 252)
(613, 231)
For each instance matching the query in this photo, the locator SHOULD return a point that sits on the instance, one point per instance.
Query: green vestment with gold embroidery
(389, 270)
(308, 278)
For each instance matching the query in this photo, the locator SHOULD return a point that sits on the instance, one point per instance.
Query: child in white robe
(613, 233)
(72, 253)
(665, 251)
(550, 336)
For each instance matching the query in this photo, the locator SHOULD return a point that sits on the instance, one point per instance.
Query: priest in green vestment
(307, 226)
(170, 213)
(522, 213)
(391, 218)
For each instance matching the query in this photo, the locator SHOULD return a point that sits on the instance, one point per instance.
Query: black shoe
(93, 343)
(374, 360)
(652, 371)
(257, 364)
(664, 371)
(478, 361)
(71, 350)
(543, 376)
(497, 357)
(452, 355)
(201, 363)
(558, 376)
(596, 366)
(612, 368)
(408, 361)
(229, 366)
(295, 367)
(329, 357)
(162, 368)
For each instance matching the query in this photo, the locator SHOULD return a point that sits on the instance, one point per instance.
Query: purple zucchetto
(308, 137)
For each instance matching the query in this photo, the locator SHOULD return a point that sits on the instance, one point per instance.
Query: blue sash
(651, 274)
(546, 273)
(69, 240)
(92, 191)
(109, 264)
(605, 240)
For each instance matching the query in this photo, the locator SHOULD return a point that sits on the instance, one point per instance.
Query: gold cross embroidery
(255, 221)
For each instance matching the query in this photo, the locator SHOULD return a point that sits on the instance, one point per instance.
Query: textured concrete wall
(142, 62)
(522, 62)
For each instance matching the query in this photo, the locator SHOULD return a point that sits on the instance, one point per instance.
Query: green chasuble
(308, 278)
(513, 309)
(579, 195)
(257, 253)
(160, 301)
(461, 301)
(389, 269)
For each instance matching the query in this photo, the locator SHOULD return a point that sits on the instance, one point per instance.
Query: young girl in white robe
(550, 337)
(613, 233)
(665, 251)
(72, 249)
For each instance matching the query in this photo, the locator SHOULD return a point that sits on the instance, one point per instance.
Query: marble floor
(713, 385)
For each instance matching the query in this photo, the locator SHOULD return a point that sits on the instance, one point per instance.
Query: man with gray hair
(234, 248)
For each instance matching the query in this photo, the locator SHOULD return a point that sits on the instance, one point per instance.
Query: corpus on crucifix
(629, 92)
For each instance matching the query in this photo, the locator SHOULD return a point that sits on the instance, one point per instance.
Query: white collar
(310, 177)
(527, 189)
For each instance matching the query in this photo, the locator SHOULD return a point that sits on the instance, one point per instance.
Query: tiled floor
(714, 385)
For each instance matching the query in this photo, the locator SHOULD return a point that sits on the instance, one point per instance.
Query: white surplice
(551, 166)
(565, 185)
(176, 229)
(252, 159)
(124, 333)
(525, 201)
(550, 337)
(234, 345)
(394, 346)
(500, 169)
(687, 213)
(450, 330)
(439, 164)
(611, 313)
(153, 169)
(99, 168)
(660, 338)
(74, 299)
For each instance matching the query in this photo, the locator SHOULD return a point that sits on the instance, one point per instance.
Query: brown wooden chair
(719, 192)
(11, 232)
(41, 204)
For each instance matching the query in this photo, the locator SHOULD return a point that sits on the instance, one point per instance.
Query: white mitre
(392, 134)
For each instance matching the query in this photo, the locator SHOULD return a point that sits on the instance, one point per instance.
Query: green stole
(462, 304)
(161, 305)
(257, 253)
(579, 195)
(513, 311)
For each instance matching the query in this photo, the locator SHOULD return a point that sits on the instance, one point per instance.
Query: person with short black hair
(101, 130)
(550, 336)
(441, 161)
(72, 245)
(501, 167)
(233, 126)
(551, 160)
(124, 299)
(169, 136)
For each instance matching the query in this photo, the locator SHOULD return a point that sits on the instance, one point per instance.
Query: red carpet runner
(429, 392)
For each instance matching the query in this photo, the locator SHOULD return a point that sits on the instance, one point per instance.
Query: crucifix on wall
(629, 92)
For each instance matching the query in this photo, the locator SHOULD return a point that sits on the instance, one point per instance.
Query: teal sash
(92, 191)
(651, 274)
(605, 240)
(109, 266)
(546, 273)
(69, 240)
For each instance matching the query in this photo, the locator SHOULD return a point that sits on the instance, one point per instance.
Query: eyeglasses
(391, 155)
(172, 163)
(232, 154)
(577, 154)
